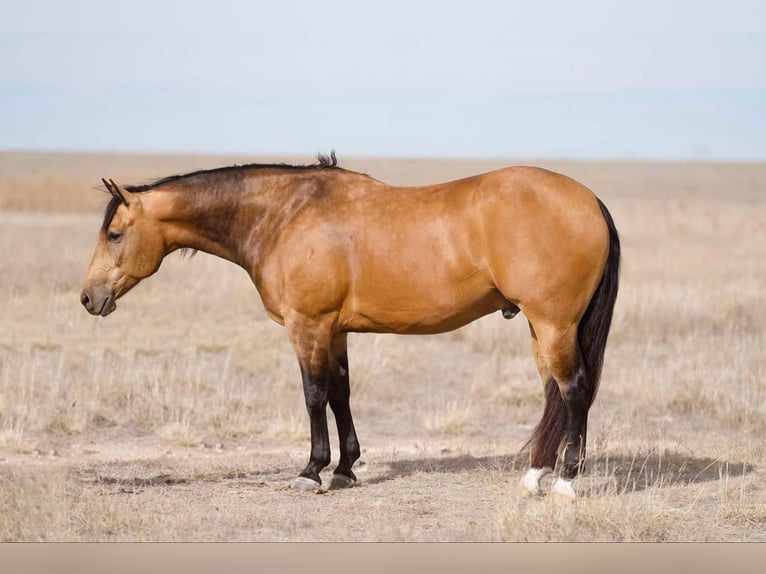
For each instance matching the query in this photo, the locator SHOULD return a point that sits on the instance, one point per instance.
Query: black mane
(323, 162)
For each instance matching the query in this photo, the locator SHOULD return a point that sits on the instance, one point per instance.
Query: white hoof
(340, 481)
(531, 480)
(564, 489)
(305, 484)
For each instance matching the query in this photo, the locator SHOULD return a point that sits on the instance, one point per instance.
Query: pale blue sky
(580, 79)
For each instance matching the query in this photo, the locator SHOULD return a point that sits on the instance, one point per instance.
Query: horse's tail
(593, 330)
(592, 333)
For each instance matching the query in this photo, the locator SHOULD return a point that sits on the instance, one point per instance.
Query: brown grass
(181, 416)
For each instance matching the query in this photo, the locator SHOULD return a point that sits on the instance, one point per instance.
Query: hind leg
(567, 402)
(542, 456)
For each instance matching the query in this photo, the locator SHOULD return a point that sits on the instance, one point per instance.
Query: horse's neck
(194, 219)
(237, 225)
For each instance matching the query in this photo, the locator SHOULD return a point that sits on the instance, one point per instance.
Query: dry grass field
(181, 417)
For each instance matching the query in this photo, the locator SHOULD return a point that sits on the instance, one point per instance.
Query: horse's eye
(113, 236)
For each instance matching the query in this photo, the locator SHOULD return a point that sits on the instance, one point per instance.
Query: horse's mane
(324, 161)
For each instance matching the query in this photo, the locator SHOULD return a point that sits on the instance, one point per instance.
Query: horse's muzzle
(98, 301)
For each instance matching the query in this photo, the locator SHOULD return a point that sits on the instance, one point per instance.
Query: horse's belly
(421, 315)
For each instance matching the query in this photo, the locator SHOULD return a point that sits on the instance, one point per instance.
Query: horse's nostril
(85, 300)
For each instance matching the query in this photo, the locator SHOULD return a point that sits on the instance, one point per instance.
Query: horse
(332, 251)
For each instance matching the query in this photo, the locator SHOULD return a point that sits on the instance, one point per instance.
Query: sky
(587, 79)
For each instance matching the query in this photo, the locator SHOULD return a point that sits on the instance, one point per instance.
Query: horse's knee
(559, 351)
(316, 406)
(576, 389)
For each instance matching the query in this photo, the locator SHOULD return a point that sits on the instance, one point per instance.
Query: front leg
(311, 341)
(339, 393)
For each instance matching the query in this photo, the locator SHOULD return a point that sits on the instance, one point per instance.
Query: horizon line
(634, 159)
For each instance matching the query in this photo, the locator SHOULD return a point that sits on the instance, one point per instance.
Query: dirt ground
(180, 417)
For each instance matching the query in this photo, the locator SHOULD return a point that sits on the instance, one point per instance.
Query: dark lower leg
(577, 401)
(549, 433)
(315, 393)
(339, 394)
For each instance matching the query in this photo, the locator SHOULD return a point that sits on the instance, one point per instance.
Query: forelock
(111, 209)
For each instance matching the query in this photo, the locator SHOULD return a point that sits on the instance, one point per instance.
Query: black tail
(593, 329)
(592, 333)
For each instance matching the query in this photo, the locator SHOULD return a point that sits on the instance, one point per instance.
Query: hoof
(340, 481)
(564, 490)
(530, 484)
(306, 484)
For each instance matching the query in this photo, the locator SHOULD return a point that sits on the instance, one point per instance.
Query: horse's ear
(114, 190)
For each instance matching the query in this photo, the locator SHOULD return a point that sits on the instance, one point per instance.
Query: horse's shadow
(604, 473)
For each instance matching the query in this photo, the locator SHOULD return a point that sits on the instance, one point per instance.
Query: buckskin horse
(332, 251)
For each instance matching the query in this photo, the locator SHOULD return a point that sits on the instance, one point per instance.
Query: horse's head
(130, 247)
